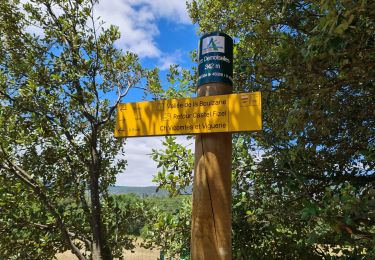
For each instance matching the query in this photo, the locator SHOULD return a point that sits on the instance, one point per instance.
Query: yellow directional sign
(224, 113)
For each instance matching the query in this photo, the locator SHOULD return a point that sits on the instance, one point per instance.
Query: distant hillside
(141, 191)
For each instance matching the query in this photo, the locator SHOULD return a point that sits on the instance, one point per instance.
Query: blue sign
(215, 63)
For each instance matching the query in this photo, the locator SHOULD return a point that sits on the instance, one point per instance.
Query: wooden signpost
(211, 230)
(212, 117)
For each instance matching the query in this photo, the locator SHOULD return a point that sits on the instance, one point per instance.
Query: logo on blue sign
(213, 44)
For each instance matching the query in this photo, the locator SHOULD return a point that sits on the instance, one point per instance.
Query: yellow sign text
(224, 113)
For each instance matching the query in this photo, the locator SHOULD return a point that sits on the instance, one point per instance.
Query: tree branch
(30, 182)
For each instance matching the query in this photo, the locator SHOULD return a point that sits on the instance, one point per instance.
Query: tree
(169, 231)
(313, 187)
(58, 94)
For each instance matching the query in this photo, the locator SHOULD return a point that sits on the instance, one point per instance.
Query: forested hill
(142, 191)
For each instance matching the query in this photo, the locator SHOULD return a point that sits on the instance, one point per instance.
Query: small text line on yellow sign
(211, 114)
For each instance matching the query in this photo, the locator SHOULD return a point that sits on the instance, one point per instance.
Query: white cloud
(168, 59)
(141, 167)
(171, 9)
(36, 28)
(137, 22)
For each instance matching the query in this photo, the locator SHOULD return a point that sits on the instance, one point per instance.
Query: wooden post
(212, 197)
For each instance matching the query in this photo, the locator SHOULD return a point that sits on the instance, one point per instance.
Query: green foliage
(169, 231)
(162, 222)
(22, 233)
(130, 207)
(125, 217)
(182, 83)
(167, 204)
(310, 190)
(264, 225)
(176, 163)
(58, 93)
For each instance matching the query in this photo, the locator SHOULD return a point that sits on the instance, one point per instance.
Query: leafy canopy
(58, 92)
(312, 187)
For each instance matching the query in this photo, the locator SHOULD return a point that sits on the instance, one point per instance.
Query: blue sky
(161, 33)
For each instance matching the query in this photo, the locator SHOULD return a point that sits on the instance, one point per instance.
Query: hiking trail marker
(212, 117)
(222, 113)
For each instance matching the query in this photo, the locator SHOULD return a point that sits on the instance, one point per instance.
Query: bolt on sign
(210, 114)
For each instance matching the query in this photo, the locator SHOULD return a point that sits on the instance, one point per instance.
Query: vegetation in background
(312, 187)
(163, 223)
(176, 164)
(58, 94)
(167, 226)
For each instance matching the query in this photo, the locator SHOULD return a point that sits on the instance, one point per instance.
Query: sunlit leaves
(58, 89)
(314, 63)
(176, 163)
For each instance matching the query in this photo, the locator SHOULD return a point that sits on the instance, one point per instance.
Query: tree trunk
(100, 249)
